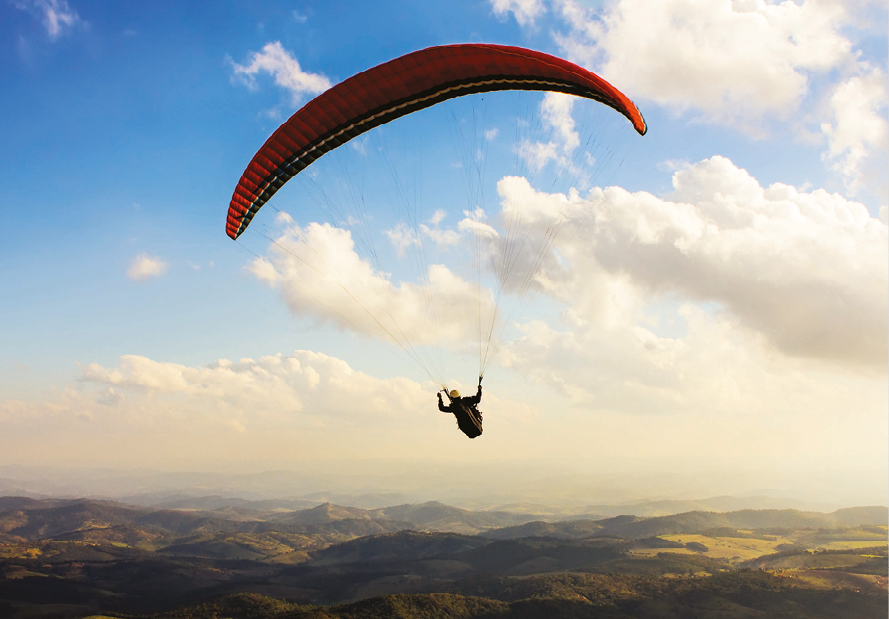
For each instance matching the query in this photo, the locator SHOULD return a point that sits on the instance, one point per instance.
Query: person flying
(469, 418)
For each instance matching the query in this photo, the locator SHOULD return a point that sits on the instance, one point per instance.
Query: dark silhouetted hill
(24, 503)
(403, 546)
(573, 529)
(737, 595)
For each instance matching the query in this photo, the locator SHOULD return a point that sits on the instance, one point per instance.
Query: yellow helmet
(454, 393)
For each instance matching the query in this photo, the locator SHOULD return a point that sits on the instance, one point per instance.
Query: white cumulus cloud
(561, 136)
(402, 238)
(734, 61)
(277, 384)
(278, 62)
(859, 127)
(144, 267)
(524, 11)
(442, 238)
(323, 277)
(807, 271)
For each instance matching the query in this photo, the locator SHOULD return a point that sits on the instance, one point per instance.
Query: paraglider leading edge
(396, 88)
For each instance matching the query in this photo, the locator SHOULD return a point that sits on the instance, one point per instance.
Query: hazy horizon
(557, 485)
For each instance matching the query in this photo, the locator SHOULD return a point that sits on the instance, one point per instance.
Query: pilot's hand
(439, 395)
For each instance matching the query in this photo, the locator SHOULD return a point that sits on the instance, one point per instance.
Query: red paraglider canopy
(393, 89)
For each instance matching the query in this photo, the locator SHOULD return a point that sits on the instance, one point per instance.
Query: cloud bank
(806, 271)
(723, 319)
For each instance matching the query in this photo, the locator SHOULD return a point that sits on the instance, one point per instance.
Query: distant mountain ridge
(649, 508)
(633, 527)
(46, 518)
(401, 546)
(39, 519)
(724, 503)
(214, 502)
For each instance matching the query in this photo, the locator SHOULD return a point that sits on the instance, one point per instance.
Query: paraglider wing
(393, 89)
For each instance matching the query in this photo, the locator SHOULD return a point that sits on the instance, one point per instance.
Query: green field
(734, 549)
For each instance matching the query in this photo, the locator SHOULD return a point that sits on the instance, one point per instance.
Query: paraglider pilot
(469, 418)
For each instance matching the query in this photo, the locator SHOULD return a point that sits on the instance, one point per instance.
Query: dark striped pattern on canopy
(393, 89)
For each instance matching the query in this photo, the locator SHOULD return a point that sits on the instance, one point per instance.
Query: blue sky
(128, 126)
